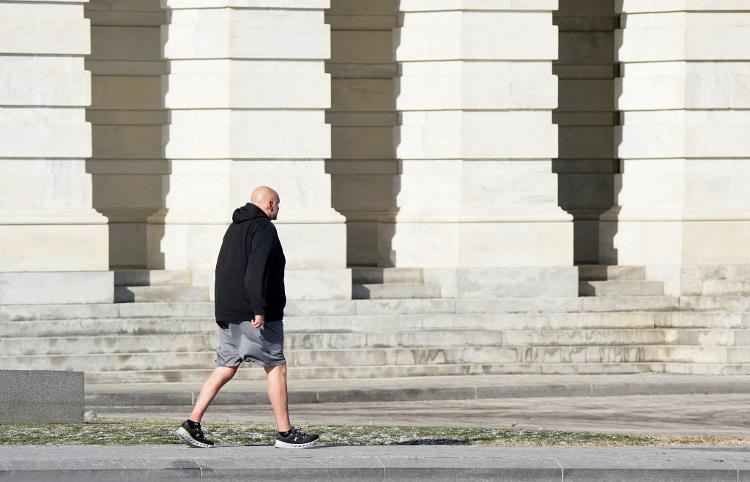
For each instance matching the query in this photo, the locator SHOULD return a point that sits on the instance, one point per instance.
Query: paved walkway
(665, 404)
(372, 463)
(650, 403)
(717, 415)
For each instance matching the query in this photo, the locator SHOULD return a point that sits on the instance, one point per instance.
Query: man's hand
(258, 321)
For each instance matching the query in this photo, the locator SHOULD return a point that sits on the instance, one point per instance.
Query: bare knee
(226, 373)
(277, 370)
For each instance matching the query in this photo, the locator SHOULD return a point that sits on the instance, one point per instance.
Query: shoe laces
(295, 433)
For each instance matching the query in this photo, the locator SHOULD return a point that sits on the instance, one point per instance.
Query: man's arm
(256, 273)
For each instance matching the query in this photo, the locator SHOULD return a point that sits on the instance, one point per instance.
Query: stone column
(362, 117)
(477, 198)
(127, 115)
(586, 118)
(682, 197)
(53, 243)
(246, 96)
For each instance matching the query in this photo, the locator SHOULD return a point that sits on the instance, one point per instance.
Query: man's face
(274, 208)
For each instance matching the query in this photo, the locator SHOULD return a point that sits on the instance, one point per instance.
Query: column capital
(495, 5)
(252, 4)
(662, 6)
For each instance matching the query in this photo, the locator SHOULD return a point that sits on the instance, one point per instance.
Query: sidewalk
(473, 387)
(373, 463)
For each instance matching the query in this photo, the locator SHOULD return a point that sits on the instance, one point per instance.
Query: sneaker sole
(285, 445)
(183, 435)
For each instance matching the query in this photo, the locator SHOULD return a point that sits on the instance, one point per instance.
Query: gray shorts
(240, 342)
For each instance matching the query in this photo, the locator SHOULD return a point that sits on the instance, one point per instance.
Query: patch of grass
(113, 432)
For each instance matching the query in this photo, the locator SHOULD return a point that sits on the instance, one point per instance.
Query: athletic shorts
(240, 342)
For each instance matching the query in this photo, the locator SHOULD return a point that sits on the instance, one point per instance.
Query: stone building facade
(497, 144)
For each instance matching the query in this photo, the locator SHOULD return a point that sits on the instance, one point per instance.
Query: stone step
(152, 277)
(380, 323)
(388, 323)
(160, 293)
(396, 356)
(110, 310)
(621, 288)
(733, 272)
(734, 303)
(105, 326)
(391, 291)
(582, 304)
(393, 371)
(455, 387)
(596, 272)
(340, 340)
(726, 287)
(370, 275)
(702, 319)
(194, 309)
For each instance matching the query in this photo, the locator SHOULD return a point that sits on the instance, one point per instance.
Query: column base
(54, 247)
(318, 284)
(300, 284)
(526, 241)
(505, 282)
(56, 287)
(681, 252)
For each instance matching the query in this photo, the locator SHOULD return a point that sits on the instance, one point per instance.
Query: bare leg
(278, 397)
(210, 388)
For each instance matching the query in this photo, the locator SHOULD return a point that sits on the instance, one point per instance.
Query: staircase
(162, 330)
(148, 286)
(391, 283)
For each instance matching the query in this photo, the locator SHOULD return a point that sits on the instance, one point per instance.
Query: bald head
(267, 200)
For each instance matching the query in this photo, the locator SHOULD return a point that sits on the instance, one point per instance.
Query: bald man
(249, 306)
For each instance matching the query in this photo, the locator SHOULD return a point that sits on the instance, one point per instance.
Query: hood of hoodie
(248, 212)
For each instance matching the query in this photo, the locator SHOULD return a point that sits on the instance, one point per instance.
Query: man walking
(250, 302)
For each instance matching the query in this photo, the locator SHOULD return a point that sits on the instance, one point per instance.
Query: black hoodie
(250, 269)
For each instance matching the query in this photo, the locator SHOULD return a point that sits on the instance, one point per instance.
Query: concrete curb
(464, 388)
(373, 463)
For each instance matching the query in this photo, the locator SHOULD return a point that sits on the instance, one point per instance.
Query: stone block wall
(478, 204)
(246, 93)
(682, 203)
(47, 222)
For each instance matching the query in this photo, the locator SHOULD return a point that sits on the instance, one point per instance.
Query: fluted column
(246, 95)
(682, 202)
(477, 199)
(53, 244)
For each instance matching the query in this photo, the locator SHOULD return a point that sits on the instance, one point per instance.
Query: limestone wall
(681, 199)
(475, 140)
(246, 93)
(47, 223)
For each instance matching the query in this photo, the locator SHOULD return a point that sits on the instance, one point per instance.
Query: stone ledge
(375, 463)
(41, 396)
(465, 5)
(660, 6)
(255, 4)
(52, 287)
(420, 388)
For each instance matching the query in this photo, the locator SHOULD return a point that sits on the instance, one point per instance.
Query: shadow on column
(586, 117)
(365, 175)
(129, 173)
